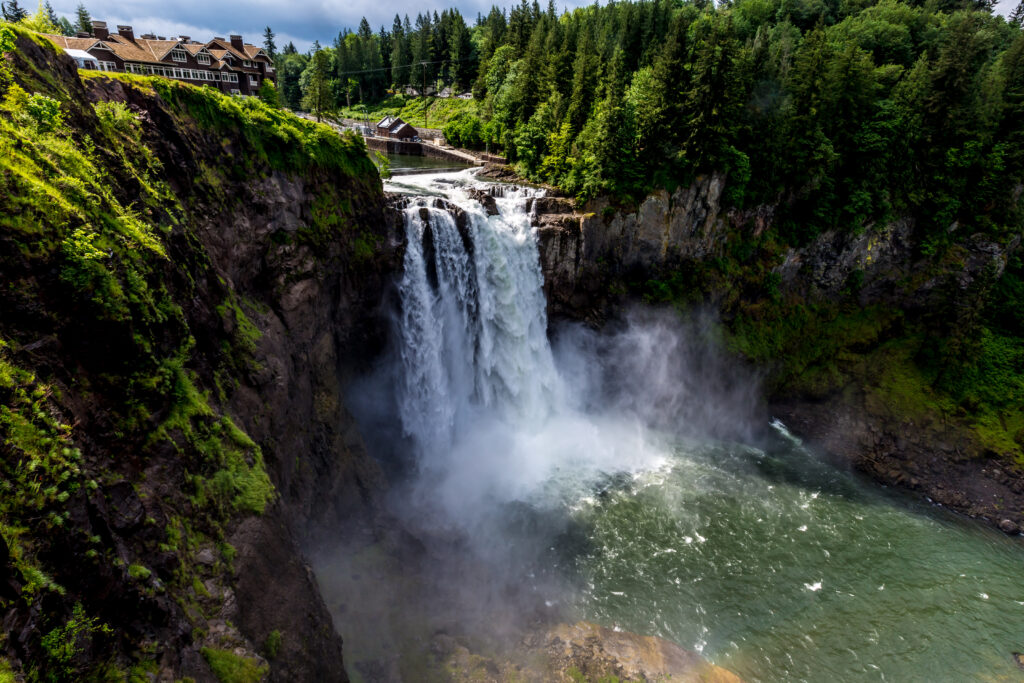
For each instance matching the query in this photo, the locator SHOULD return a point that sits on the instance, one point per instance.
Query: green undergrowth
(439, 111)
(40, 470)
(231, 475)
(97, 250)
(818, 350)
(277, 138)
(231, 668)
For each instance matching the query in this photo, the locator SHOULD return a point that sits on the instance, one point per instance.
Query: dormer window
(247, 63)
(179, 55)
(203, 58)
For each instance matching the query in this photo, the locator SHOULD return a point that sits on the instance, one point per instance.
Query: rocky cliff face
(598, 258)
(181, 314)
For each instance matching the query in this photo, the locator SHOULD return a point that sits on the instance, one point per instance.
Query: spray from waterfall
(495, 414)
(501, 433)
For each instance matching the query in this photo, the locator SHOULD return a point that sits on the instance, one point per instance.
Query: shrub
(272, 646)
(138, 572)
(231, 668)
(45, 111)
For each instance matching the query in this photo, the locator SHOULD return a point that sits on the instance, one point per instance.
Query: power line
(403, 66)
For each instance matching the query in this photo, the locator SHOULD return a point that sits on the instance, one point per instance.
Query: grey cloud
(301, 23)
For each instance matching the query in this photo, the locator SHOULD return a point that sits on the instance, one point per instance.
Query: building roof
(250, 53)
(402, 127)
(73, 43)
(155, 50)
(129, 51)
(79, 54)
(254, 51)
(388, 122)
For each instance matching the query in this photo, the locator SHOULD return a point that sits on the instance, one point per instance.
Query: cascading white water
(492, 416)
(473, 325)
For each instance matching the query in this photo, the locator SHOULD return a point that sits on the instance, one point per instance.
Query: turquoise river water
(780, 567)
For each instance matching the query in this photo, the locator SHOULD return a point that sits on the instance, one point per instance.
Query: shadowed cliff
(188, 278)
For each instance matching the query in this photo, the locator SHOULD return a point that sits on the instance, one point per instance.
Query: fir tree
(317, 98)
(269, 46)
(83, 20)
(14, 12)
(1017, 15)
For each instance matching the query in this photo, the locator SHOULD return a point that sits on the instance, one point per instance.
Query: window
(108, 66)
(203, 58)
(179, 55)
(247, 63)
(236, 91)
(254, 82)
(230, 78)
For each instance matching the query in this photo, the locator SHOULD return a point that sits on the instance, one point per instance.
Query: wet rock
(486, 200)
(1008, 526)
(125, 506)
(1018, 658)
(206, 557)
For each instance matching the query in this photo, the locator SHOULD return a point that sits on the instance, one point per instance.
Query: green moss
(272, 645)
(231, 668)
(138, 572)
(6, 672)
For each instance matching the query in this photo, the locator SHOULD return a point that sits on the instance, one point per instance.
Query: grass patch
(231, 668)
(433, 112)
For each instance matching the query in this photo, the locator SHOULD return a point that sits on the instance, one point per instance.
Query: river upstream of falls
(628, 478)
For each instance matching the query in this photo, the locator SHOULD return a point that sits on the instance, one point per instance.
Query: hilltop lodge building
(230, 65)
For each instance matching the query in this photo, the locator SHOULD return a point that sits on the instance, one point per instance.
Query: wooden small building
(396, 129)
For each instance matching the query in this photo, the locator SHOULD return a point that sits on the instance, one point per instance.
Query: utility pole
(423, 93)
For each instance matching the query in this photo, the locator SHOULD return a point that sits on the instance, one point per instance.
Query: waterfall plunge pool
(584, 480)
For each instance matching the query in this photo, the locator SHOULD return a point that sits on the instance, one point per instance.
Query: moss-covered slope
(186, 278)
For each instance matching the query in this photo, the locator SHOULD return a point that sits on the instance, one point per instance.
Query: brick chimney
(236, 42)
(126, 32)
(99, 29)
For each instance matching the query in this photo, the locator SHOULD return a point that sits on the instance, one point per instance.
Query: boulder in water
(574, 652)
(598, 652)
(1008, 526)
(486, 200)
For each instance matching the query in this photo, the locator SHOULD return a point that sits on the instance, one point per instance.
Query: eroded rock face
(295, 262)
(579, 248)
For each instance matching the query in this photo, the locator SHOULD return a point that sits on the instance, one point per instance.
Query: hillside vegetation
(122, 470)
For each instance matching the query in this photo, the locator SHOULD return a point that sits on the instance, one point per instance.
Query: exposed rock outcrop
(592, 257)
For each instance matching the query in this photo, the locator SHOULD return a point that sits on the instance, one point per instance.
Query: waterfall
(473, 325)
(493, 413)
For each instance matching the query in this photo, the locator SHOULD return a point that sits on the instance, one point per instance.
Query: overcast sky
(301, 22)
